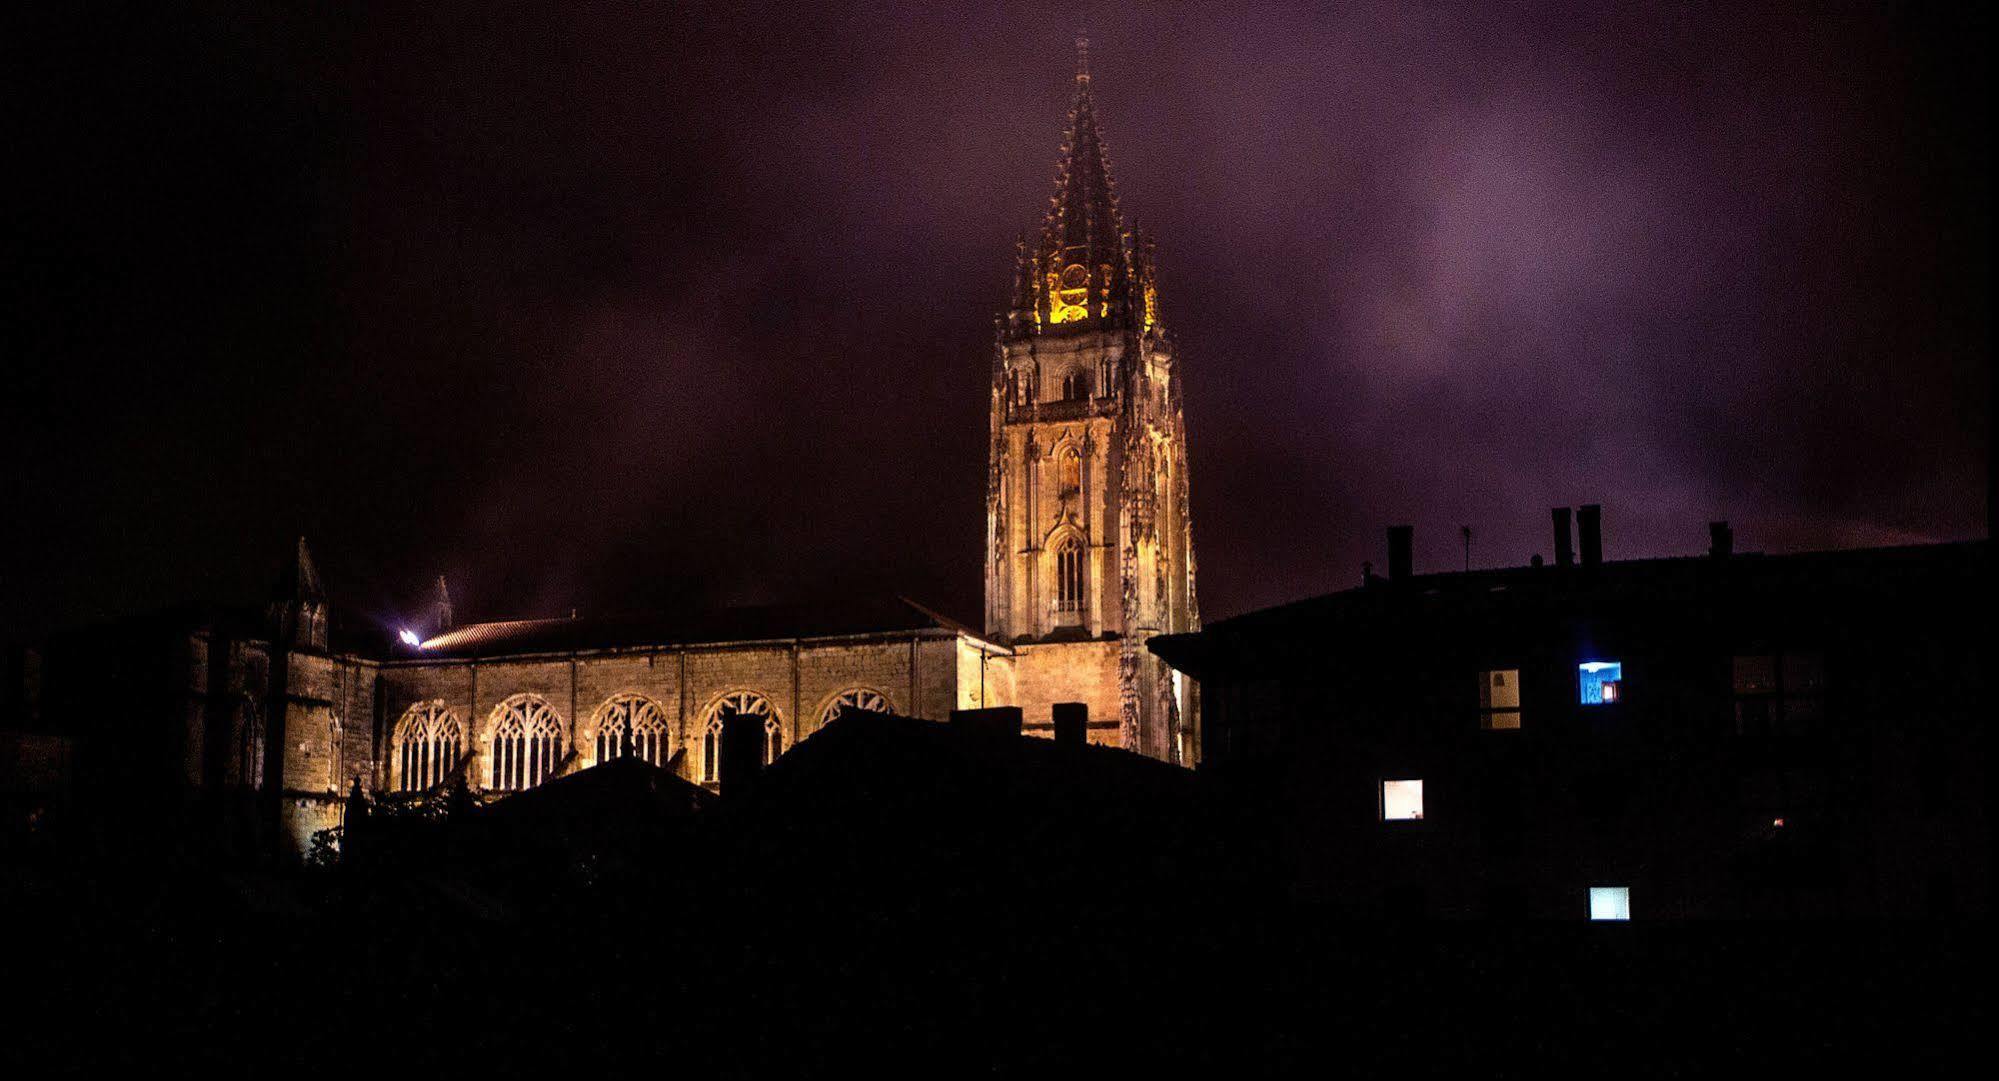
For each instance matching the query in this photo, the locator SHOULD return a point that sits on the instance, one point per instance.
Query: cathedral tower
(1089, 551)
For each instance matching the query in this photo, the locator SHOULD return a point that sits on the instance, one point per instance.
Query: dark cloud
(620, 307)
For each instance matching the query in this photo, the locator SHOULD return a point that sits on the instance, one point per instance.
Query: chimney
(1589, 531)
(1072, 723)
(1400, 541)
(742, 751)
(992, 722)
(1720, 540)
(1564, 545)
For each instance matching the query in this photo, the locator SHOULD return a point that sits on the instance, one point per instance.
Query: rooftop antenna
(1466, 530)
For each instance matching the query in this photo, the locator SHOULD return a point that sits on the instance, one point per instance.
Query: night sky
(625, 308)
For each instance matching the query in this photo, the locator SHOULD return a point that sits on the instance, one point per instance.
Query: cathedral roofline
(857, 619)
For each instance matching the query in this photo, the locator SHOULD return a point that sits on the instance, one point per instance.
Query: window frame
(1610, 692)
(536, 743)
(1382, 799)
(1072, 575)
(1489, 714)
(1615, 907)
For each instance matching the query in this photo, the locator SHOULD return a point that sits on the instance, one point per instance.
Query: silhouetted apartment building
(1725, 735)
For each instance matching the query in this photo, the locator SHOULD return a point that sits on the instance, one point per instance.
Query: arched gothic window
(741, 702)
(1069, 574)
(631, 724)
(527, 743)
(1075, 386)
(428, 743)
(860, 698)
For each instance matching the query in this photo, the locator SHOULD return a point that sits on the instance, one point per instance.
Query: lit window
(745, 703)
(860, 699)
(1499, 699)
(1602, 682)
(631, 725)
(1402, 801)
(427, 743)
(527, 743)
(1609, 903)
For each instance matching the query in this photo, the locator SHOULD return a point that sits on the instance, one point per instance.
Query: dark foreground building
(1728, 735)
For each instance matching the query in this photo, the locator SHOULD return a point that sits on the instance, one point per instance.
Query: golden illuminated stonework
(1070, 292)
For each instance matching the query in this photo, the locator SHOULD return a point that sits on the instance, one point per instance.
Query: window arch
(1070, 574)
(428, 743)
(864, 699)
(527, 743)
(1076, 386)
(747, 703)
(631, 724)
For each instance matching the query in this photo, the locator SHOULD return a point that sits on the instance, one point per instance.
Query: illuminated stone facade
(1089, 551)
(506, 706)
(1088, 557)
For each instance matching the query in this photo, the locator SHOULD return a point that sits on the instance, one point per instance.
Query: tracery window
(1069, 571)
(1075, 386)
(527, 743)
(428, 743)
(860, 698)
(747, 703)
(631, 724)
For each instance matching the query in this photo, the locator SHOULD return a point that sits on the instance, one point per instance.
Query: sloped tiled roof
(875, 615)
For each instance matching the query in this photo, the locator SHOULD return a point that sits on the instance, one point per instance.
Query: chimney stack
(1072, 723)
(994, 721)
(1564, 544)
(742, 751)
(1400, 544)
(1589, 530)
(1720, 540)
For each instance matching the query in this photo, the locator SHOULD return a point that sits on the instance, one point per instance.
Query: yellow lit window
(1499, 699)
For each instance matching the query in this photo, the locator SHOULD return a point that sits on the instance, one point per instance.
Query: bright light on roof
(409, 638)
(1598, 666)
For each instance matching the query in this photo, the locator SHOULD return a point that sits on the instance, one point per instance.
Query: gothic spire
(1082, 228)
(299, 579)
(297, 610)
(440, 608)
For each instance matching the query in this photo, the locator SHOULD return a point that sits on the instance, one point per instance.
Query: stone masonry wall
(917, 674)
(1087, 672)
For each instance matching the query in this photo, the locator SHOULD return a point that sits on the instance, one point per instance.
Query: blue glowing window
(1602, 682)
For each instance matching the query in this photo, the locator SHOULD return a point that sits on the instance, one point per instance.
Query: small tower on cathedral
(440, 608)
(1087, 525)
(297, 608)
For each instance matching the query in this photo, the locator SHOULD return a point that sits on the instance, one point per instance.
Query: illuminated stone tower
(1089, 552)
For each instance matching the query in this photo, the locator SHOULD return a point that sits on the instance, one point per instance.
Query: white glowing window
(1402, 801)
(1609, 902)
(1499, 698)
